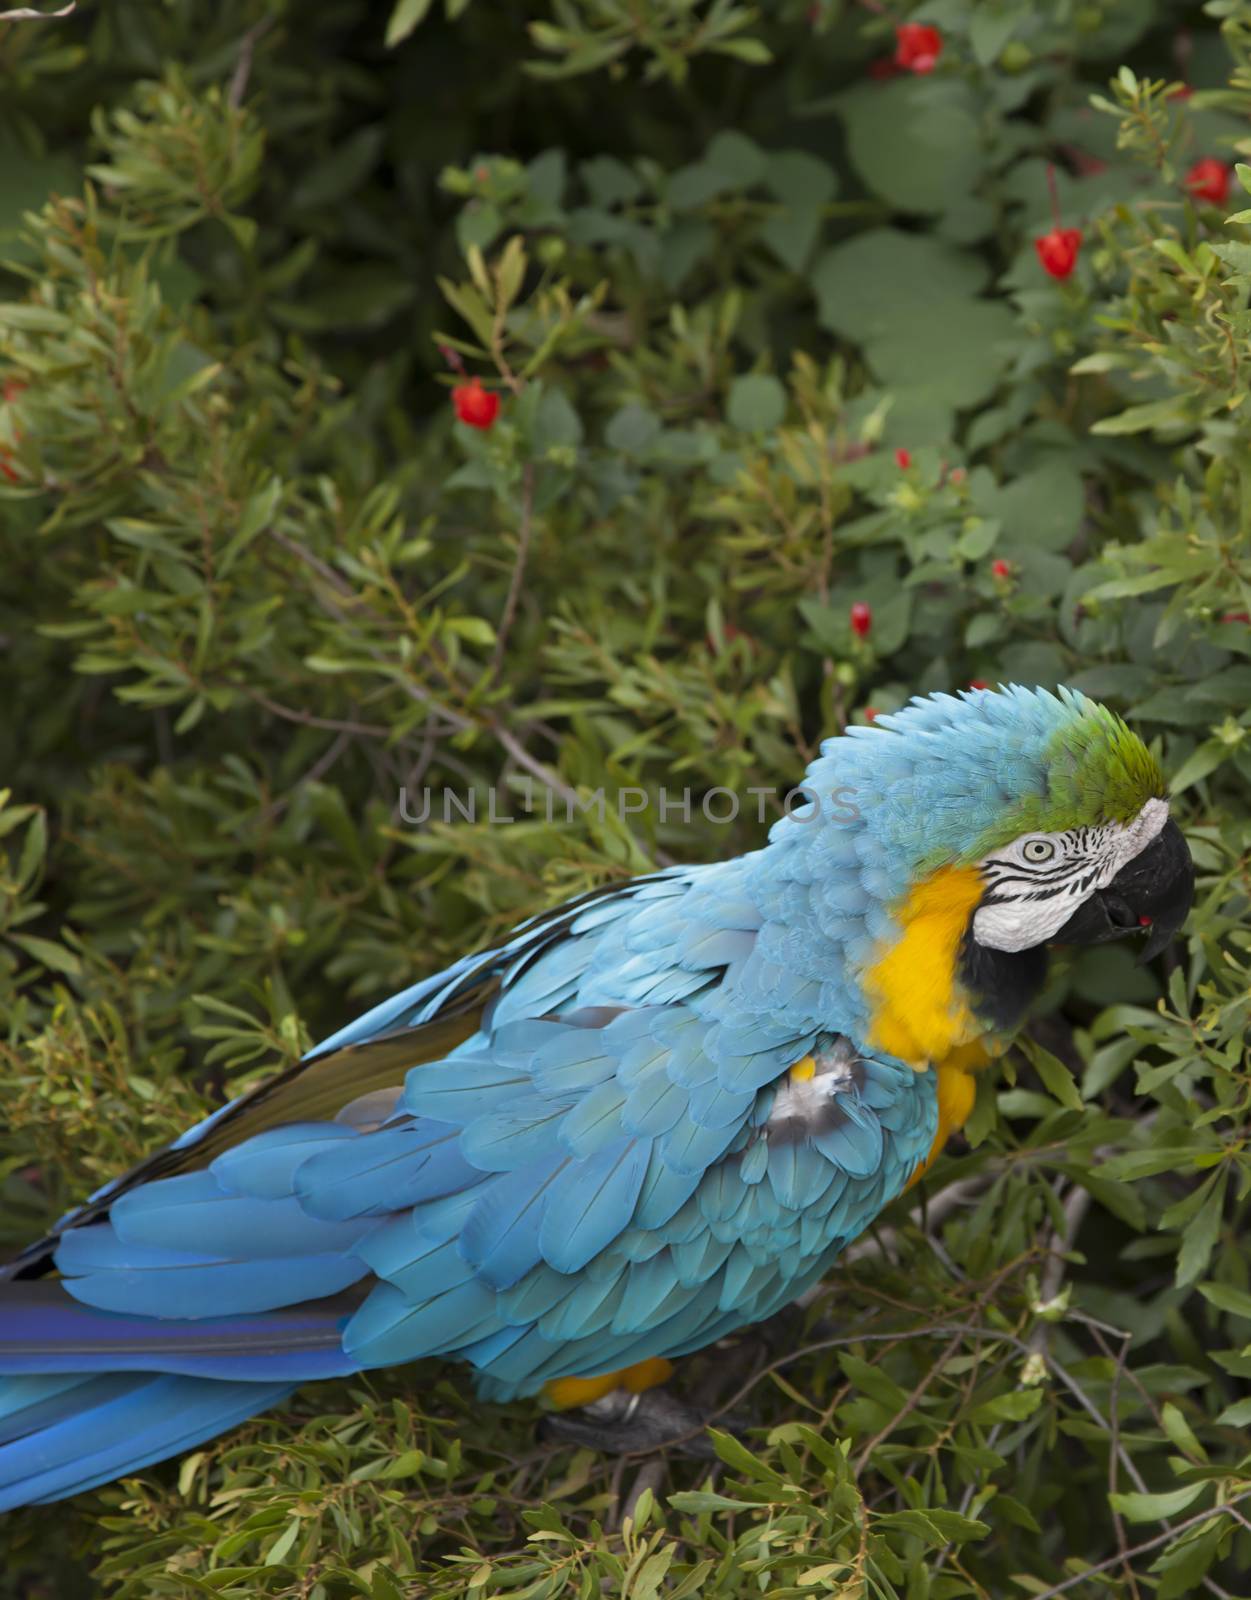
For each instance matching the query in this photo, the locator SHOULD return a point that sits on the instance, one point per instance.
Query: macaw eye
(1038, 849)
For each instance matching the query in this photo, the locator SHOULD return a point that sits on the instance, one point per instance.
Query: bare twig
(26, 14)
(243, 67)
(1141, 1549)
(651, 1476)
(519, 567)
(318, 770)
(1114, 1456)
(306, 719)
(1075, 1206)
(535, 768)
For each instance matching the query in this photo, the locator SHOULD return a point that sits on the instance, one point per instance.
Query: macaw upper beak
(1151, 894)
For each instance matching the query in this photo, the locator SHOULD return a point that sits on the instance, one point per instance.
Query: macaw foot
(624, 1423)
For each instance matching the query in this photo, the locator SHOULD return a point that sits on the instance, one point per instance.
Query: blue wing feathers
(384, 1171)
(202, 1218)
(521, 1131)
(595, 1121)
(265, 1165)
(591, 1202)
(502, 1237)
(211, 1290)
(653, 1106)
(590, 1178)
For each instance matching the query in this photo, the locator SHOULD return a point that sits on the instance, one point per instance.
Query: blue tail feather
(44, 1332)
(99, 1428)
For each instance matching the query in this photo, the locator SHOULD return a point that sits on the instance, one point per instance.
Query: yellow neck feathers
(918, 1010)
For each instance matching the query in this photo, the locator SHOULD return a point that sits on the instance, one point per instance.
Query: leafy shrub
(773, 337)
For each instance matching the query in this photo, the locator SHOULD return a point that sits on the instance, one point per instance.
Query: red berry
(903, 458)
(957, 475)
(871, 713)
(1236, 616)
(1209, 180)
(1057, 251)
(861, 619)
(1001, 568)
(979, 683)
(475, 405)
(917, 46)
(1183, 91)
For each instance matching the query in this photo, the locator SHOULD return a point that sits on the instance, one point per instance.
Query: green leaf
(1171, 415)
(1199, 1236)
(943, 350)
(54, 956)
(737, 157)
(757, 403)
(1156, 1507)
(340, 174)
(990, 28)
(1226, 1298)
(1200, 764)
(1056, 1077)
(405, 16)
(556, 424)
(1014, 1406)
(735, 1454)
(916, 143)
(754, 51)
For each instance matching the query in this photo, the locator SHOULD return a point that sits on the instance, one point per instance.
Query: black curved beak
(1151, 894)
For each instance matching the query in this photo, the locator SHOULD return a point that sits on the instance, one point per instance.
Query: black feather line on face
(1001, 983)
(1051, 872)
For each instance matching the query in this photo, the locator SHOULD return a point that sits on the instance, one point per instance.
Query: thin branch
(1114, 1456)
(318, 770)
(519, 568)
(536, 769)
(243, 67)
(306, 719)
(1141, 1549)
(650, 1476)
(26, 14)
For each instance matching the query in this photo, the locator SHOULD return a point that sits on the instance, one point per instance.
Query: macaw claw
(623, 1424)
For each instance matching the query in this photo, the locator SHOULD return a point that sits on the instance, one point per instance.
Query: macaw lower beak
(1151, 894)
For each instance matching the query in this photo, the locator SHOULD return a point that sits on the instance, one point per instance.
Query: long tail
(86, 1395)
(60, 1435)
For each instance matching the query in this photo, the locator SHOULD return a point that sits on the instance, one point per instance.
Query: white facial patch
(1036, 883)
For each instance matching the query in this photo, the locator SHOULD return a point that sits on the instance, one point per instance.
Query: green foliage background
(256, 579)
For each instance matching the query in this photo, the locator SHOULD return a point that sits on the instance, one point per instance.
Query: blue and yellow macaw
(648, 1118)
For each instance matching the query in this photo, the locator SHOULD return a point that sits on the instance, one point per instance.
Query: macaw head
(1043, 813)
(1053, 800)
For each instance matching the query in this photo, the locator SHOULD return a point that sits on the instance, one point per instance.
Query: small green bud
(1015, 56)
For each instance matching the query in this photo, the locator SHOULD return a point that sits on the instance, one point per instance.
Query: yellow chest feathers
(917, 1009)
